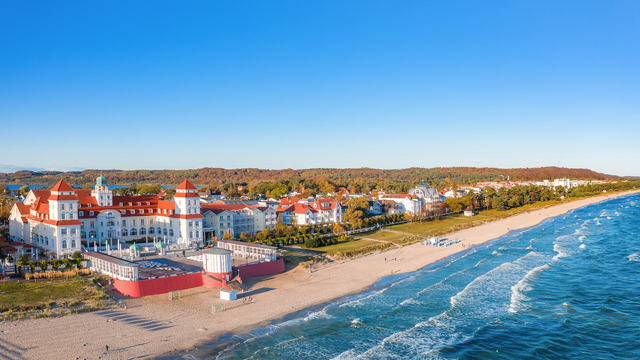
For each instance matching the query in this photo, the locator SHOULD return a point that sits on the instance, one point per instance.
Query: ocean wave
(581, 238)
(502, 248)
(517, 296)
(583, 246)
(561, 253)
(634, 257)
(530, 247)
(495, 252)
(360, 299)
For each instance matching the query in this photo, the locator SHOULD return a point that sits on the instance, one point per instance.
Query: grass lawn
(382, 235)
(455, 222)
(24, 296)
(343, 246)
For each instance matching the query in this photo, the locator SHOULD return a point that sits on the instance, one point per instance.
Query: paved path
(403, 233)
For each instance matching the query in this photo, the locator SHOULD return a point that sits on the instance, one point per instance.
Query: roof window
(120, 204)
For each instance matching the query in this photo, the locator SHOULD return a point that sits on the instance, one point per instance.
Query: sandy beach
(153, 326)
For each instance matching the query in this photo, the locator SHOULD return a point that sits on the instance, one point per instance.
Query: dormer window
(120, 204)
(90, 213)
(89, 204)
(130, 204)
(133, 211)
(81, 213)
(148, 202)
(123, 212)
(139, 203)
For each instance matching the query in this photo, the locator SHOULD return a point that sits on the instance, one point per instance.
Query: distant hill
(204, 176)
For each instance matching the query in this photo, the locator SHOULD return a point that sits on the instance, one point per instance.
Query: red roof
(186, 185)
(62, 186)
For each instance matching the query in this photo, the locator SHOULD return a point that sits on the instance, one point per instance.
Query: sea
(567, 288)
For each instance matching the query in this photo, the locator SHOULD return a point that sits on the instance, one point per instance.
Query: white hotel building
(57, 220)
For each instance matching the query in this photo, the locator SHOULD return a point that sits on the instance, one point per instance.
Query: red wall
(158, 286)
(208, 282)
(261, 269)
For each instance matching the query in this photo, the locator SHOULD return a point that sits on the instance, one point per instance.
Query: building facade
(61, 219)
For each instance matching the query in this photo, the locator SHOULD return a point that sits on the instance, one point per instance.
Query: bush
(311, 243)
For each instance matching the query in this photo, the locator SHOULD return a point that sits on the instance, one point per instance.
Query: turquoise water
(567, 288)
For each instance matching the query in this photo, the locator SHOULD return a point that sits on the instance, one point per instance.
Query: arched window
(152, 231)
(73, 243)
(92, 234)
(164, 231)
(110, 223)
(41, 238)
(64, 244)
(124, 232)
(46, 240)
(83, 234)
(197, 234)
(134, 232)
(170, 232)
(143, 231)
(190, 234)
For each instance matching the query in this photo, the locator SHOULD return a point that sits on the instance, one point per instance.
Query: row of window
(143, 231)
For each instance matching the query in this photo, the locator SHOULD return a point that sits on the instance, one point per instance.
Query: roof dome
(134, 247)
(160, 245)
(101, 181)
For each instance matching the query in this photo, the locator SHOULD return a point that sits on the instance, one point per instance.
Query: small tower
(104, 196)
(63, 202)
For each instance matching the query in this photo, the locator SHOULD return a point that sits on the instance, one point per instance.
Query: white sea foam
(359, 301)
(356, 321)
(495, 252)
(502, 248)
(583, 246)
(517, 296)
(530, 247)
(634, 257)
(581, 238)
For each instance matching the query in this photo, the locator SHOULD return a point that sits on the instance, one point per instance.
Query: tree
(213, 186)
(227, 236)
(77, 255)
(24, 190)
(453, 204)
(44, 264)
(356, 211)
(55, 264)
(338, 229)
(32, 266)
(68, 264)
(311, 243)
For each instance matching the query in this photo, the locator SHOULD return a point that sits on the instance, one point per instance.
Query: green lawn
(343, 246)
(458, 222)
(382, 235)
(24, 296)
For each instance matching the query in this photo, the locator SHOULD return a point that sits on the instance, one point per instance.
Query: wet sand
(154, 325)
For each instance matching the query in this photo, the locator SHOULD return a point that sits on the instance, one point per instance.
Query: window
(142, 222)
(197, 234)
(164, 231)
(124, 223)
(41, 238)
(62, 216)
(123, 212)
(150, 221)
(124, 232)
(92, 225)
(130, 204)
(134, 232)
(150, 211)
(62, 207)
(90, 213)
(120, 204)
(170, 232)
(92, 234)
(64, 244)
(81, 213)
(190, 223)
(73, 231)
(152, 231)
(190, 234)
(133, 222)
(83, 234)
(143, 231)
(221, 217)
(110, 223)
(73, 244)
(139, 203)
(133, 211)
(63, 231)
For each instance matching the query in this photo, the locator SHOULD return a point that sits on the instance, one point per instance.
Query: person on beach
(107, 347)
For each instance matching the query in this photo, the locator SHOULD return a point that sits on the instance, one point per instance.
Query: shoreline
(155, 327)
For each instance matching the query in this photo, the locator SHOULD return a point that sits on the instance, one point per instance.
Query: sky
(331, 84)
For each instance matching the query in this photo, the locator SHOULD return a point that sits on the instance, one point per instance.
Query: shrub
(310, 243)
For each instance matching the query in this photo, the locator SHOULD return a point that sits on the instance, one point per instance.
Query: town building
(309, 211)
(63, 219)
(236, 218)
(415, 200)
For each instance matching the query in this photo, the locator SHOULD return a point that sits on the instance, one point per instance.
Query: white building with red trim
(58, 220)
(414, 201)
(309, 212)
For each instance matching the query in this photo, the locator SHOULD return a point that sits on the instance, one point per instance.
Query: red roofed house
(234, 219)
(58, 219)
(305, 212)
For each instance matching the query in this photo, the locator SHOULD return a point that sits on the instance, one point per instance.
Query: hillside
(204, 176)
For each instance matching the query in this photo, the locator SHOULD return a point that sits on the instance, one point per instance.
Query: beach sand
(154, 325)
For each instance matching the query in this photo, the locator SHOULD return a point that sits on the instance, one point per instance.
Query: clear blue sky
(301, 84)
